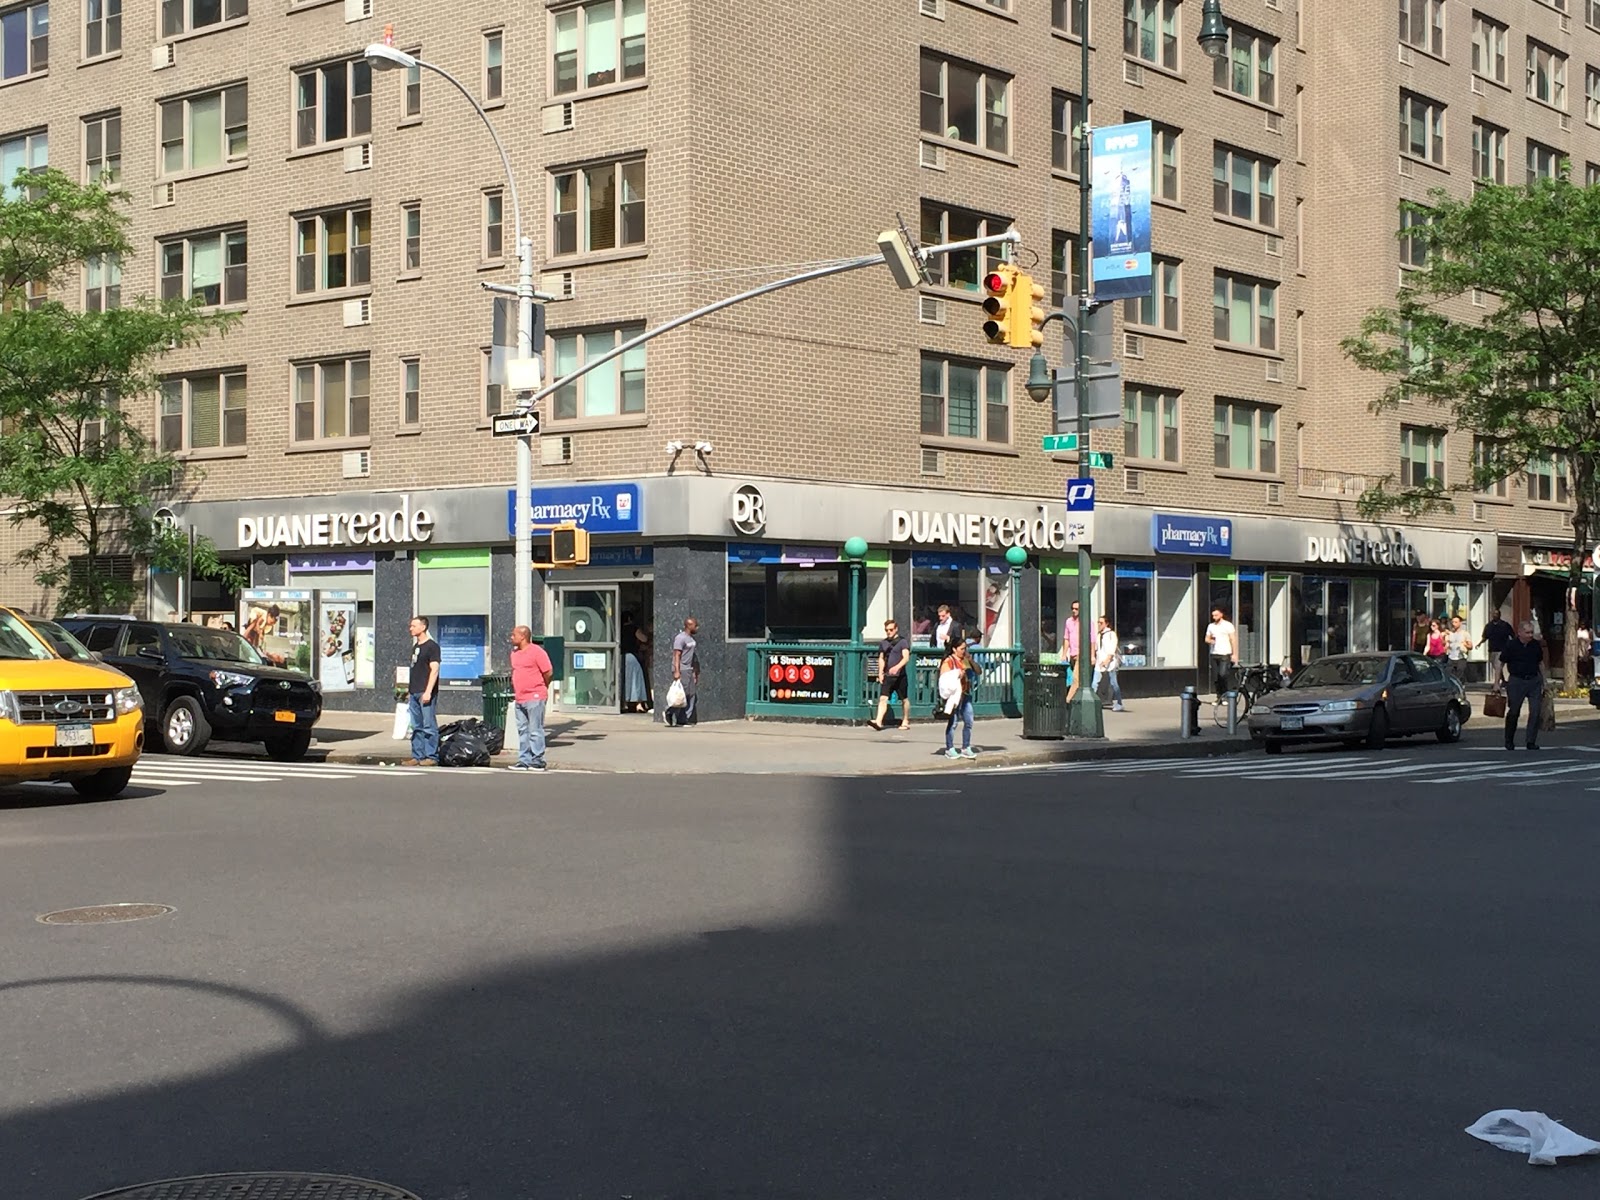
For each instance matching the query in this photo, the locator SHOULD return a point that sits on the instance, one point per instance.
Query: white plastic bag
(402, 723)
(950, 683)
(1541, 1138)
(676, 697)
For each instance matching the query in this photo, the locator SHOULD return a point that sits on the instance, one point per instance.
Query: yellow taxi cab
(79, 722)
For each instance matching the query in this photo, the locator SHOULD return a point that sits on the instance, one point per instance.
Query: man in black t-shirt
(423, 696)
(1524, 663)
(894, 665)
(1497, 635)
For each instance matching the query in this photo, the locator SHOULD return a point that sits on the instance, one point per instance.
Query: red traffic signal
(999, 283)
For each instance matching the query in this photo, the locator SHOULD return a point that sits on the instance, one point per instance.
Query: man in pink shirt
(1069, 650)
(530, 688)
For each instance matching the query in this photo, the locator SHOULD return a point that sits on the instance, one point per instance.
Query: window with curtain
(613, 389)
(596, 44)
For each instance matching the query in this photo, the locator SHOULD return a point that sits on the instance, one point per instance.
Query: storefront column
(900, 588)
(1027, 601)
(691, 580)
(502, 607)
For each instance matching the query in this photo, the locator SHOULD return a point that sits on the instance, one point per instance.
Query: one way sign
(514, 424)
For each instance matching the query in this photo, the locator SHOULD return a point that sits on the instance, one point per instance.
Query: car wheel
(291, 747)
(1378, 731)
(184, 729)
(105, 784)
(1450, 731)
(1272, 747)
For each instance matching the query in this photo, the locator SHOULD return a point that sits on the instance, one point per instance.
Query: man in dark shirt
(423, 696)
(894, 662)
(1524, 663)
(1497, 635)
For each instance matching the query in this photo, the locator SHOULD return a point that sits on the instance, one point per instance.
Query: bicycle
(1249, 684)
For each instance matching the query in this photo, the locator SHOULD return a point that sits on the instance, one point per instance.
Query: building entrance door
(589, 624)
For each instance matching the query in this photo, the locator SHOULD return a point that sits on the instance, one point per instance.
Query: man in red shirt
(530, 688)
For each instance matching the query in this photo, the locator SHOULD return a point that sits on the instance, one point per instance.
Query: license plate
(1291, 722)
(75, 735)
(283, 715)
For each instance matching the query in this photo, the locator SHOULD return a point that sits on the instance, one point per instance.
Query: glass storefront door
(589, 624)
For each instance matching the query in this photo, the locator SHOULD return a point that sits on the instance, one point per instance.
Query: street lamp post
(385, 57)
(1084, 718)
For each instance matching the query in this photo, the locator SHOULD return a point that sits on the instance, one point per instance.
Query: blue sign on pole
(1172, 533)
(1080, 495)
(1120, 263)
(596, 507)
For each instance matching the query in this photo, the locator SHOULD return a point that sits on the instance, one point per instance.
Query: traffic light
(1027, 316)
(560, 546)
(1000, 285)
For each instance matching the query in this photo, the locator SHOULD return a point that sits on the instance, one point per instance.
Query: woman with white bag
(957, 675)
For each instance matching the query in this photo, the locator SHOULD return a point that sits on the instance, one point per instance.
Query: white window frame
(1066, 272)
(1591, 95)
(410, 392)
(233, 264)
(1165, 150)
(1591, 13)
(627, 178)
(316, 372)
(35, 30)
(1549, 479)
(492, 83)
(1066, 132)
(1162, 310)
(1413, 252)
(411, 237)
(311, 119)
(232, 400)
(1544, 162)
(573, 42)
(1263, 189)
(1263, 417)
(1067, 17)
(102, 282)
(1591, 174)
(178, 17)
(1422, 25)
(1547, 74)
(1489, 41)
(1263, 336)
(494, 224)
(233, 130)
(32, 153)
(1431, 440)
(991, 123)
(1489, 150)
(993, 394)
(357, 254)
(1482, 449)
(1419, 113)
(950, 223)
(100, 165)
(1152, 32)
(102, 28)
(1161, 408)
(411, 92)
(1257, 54)
(623, 375)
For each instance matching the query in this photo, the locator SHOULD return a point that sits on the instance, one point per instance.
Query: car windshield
(1342, 672)
(62, 642)
(18, 641)
(222, 645)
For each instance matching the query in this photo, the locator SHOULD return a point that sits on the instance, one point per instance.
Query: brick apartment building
(672, 153)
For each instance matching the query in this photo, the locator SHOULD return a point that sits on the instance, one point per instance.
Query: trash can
(496, 699)
(1044, 699)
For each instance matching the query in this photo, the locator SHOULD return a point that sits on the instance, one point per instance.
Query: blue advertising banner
(1174, 534)
(463, 642)
(597, 507)
(1120, 262)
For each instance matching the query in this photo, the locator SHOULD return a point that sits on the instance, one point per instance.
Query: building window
(1160, 310)
(411, 100)
(1413, 250)
(1422, 25)
(494, 79)
(1544, 162)
(595, 45)
(1067, 16)
(1150, 423)
(1245, 311)
(1591, 95)
(599, 208)
(24, 41)
(1244, 186)
(1548, 481)
(1421, 457)
(1493, 479)
(204, 132)
(332, 103)
(1591, 174)
(965, 400)
(1164, 170)
(203, 412)
(102, 149)
(1249, 69)
(411, 238)
(966, 103)
(28, 152)
(1066, 132)
(410, 391)
(1547, 75)
(960, 268)
(614, 389)
(1421, 128)
(1246, 436)
(1591, 13)
(1150, 31)
(210, 268)
(1488, 48)
(494, 225)
(179, 17)
(1488, 152)
(493, 393)
(332, 400)
(102, 282)
(1066, 270)
(333, 250)
(102, 27)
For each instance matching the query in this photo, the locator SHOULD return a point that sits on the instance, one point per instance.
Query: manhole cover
(265, 1185)
(100, 914)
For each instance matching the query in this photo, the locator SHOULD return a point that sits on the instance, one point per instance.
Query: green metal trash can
(496, 699)
(1044, 700)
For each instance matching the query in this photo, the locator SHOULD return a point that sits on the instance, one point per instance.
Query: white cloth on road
(1543, 1139)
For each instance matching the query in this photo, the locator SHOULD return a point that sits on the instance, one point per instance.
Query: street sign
(1100, 459)
(514, 424)
(1080, 495)
(1057, 442)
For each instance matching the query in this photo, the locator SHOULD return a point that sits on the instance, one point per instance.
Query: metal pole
(188, 579)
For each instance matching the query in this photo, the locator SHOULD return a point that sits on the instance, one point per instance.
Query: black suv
(198, 682)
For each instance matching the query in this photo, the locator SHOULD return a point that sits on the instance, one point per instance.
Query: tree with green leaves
(1521, 373)
(76, 470)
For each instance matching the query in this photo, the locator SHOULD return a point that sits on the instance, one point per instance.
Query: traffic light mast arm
(838, 268)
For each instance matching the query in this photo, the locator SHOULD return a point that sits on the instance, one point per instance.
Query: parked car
(1362, 699)
(198, 683)
(77, 722)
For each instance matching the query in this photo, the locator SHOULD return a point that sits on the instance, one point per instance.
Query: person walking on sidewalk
(1069, 652)
(1497, 635)
(958, 706)
(1457, 645)
(1437, 648)
(423, 695)
(1223, 639)
(1107, 661)
(686, 670)
(1524, 663)
(894, 660)
(530, 690)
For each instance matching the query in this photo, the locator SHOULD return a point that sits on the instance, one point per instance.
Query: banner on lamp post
(1120, 225)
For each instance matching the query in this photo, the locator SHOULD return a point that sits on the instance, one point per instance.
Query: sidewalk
(636, 744)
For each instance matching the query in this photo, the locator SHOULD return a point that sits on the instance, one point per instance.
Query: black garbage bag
(493, 739)
(462, 749)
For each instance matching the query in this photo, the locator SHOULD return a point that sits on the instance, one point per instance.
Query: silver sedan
(1362, 699)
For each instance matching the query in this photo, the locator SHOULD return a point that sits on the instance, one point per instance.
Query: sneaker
(968, 752)
(519, 767)
(538, 766)
(952, 752)
(1118, 708)
(429, 762)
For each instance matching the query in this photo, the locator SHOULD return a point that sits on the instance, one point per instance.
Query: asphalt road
(1221, 979)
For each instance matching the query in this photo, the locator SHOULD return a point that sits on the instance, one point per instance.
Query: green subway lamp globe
(856, 547)
(1016, 556)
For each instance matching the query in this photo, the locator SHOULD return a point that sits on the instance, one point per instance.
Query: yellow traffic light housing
(560, 546)
(1026, 328)
(1000, 284)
